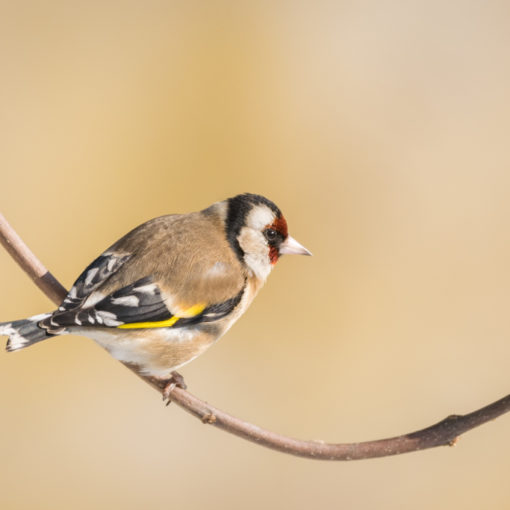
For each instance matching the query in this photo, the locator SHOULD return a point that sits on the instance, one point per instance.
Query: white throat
(260, 268)
(256, 252)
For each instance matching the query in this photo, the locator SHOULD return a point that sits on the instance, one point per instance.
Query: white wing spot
(126, 301)
(90, 275)
(93, 298)
(111, 263)
(109, 318)
(146, 289)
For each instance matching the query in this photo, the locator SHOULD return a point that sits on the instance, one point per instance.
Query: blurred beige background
(382, 131)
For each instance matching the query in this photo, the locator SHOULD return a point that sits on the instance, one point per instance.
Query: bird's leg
(176, 381)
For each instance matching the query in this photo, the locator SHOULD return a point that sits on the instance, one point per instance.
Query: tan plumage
(171, 287)
(181, 251)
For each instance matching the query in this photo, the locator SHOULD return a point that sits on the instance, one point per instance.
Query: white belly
(157, 352)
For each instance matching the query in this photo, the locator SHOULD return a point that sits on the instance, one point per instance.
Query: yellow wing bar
(167, 323)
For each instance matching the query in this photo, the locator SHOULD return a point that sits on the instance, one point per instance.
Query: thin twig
(442, 433)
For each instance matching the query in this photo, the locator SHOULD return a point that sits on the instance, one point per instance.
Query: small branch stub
(209, 419)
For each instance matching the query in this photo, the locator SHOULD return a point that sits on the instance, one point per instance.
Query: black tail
(24, 332)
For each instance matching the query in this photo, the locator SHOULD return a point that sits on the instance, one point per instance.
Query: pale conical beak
(291, 247)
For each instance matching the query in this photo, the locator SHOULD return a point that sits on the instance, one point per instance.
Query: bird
(170, 288)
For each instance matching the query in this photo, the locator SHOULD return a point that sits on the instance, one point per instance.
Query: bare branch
(442, 433)
(21, 253)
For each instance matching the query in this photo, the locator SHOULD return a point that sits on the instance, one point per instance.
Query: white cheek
(256, 252)
(253, 243)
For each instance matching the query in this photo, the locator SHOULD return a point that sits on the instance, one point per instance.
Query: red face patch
(273, 255)
(280, 225)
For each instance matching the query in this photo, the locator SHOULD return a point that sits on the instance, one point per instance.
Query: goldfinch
(167, 290)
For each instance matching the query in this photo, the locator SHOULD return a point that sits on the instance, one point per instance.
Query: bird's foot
(176, 381)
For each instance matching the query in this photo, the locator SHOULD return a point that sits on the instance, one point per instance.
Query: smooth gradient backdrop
(382, 131)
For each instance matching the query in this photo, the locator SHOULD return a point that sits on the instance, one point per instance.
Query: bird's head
(257, 231)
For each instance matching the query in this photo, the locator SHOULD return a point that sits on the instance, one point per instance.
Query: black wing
(91, 278)
(139, 305)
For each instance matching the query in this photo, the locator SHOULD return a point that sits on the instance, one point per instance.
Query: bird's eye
(270, 234)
